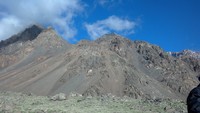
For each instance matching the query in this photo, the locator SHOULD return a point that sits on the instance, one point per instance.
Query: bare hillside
(111, 64)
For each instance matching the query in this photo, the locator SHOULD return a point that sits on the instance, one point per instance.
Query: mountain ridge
(29, 33)
(110, 64)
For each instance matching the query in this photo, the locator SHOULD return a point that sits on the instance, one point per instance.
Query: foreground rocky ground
(23, 103)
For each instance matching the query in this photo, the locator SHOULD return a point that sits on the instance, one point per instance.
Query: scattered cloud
(108, 2)
(102, 2)
(111, 24)
(15, 15)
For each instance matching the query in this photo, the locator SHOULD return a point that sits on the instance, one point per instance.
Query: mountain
(28, 34)
(34, 42)
(186, 53)
(48, 65)
(192, 58)
(16, 47)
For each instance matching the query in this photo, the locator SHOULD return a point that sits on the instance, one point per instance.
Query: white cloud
(18, 14)
(111, 24)
(9, 25)
(108, 2)
(102, 2)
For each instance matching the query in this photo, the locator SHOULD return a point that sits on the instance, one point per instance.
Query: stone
(58, 97)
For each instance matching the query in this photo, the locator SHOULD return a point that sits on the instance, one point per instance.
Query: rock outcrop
(192, 58)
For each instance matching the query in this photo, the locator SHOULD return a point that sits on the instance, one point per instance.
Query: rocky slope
(18, 46)
(192, 58)
(110, 64)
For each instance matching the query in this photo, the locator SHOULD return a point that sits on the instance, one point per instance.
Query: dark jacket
(193, 100)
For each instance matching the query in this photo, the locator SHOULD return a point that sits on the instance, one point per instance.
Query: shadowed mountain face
(30, 44)
(28, 34)
(111, 64)
(16, 47)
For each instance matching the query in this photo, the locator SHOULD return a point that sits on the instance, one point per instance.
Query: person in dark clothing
(193, 100)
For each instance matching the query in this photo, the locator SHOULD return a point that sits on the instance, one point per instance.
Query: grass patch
(17, 102)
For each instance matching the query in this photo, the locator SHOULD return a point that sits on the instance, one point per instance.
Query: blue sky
(173, 25)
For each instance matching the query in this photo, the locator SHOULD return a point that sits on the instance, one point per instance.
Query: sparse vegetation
(22, 103)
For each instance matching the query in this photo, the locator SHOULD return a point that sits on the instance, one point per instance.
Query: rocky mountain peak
(190, 57)
(109, 37)
(34, 42)
(29, 33)
(186, 53)
(50, 39)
